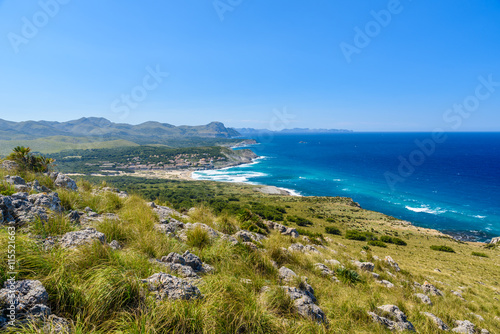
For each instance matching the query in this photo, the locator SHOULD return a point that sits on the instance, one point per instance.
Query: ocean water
(452, 186)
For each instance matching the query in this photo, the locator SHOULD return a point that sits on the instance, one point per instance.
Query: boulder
(28, 293)
(333, 263)
(174, 258)
(464, 326)
(78, 238)
(431, 289)
(9, 165)
(304, 302)
(15, 180)
(386, 283)
(193, 261)
(424, 298)
(115, 245)
(389, 260)
(302, 248)
(366, 266)
(324, 270)
(63, 181)
(50, 201)
(247, 236)
(393, 319)
(439, 323)
(286, 274)
(165, 286)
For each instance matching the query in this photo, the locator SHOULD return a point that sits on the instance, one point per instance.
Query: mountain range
(102, 128)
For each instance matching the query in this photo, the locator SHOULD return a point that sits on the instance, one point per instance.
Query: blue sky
(265, 58)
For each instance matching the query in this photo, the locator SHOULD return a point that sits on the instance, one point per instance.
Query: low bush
(479, 254)
(393, 240)
(442, 249)
(355, 235)
(332, 230)
(377, 243)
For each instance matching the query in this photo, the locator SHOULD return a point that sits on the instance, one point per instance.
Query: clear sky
(254, 63)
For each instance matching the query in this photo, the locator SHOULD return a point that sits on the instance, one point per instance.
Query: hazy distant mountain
(105, 129)
(251, 131)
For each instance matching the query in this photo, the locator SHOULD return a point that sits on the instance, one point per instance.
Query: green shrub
(377, 243)
(332, 230)
(479, 254)
(355, 235)
(348, 276)
(299, 220)
(393, 240)
(442, 249)
(56, 225)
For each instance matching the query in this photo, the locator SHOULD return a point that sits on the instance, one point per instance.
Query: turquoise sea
(451, 184)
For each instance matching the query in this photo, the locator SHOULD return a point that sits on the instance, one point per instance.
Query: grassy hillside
(59, 143)
(99, 288)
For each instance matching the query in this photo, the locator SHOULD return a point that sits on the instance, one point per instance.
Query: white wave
(337, 180)
(480, 217)
(291, 191)
(426, 209)
(225, 176)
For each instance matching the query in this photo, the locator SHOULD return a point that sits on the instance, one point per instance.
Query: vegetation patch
(332, 230)
(479, 254)
(441, 248)
(377, 243)
(355, 235)
(393, 240)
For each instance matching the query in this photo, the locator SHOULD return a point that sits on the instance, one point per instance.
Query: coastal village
(180, 161)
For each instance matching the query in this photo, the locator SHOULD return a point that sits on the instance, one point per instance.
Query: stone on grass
(165, 286)
(63, 181)
(431, 289)
(465, 327)
(392, 318)
(439, 323)
(366, 266)
(286, 274)
(423, 298)
(389, 260)
(82, 237)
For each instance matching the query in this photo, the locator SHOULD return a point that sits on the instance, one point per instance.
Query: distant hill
(251, 131)
(105, 129)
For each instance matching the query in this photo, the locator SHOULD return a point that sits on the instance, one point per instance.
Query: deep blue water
(454, 188)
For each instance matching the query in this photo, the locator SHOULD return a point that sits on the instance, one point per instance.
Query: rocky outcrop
(287, 275)
(103, 190)
(21, 208)
(9, 165)
(165, 286)
(282, 229)
(439, 323)
(423, 298)
(248, 236)
(186, 265)
(431, 289)
(495, 240)
(29, 306)
(386, 283)
(64, 181)
(393, 318)
(366, 266)
(302, 248)
(82, 237)
(389, 260)
(464, 326)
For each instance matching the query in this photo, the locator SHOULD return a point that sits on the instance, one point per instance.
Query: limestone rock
(304, 303)
(333, 263)
(165, 286)
(424, 298)
(63, 181)
(286, 274)
(431, 289)
(366, 266)
(302, 248)
(325, 271)
(389, 260)
(393, 319)
(247, 236)
(495, 240)
(465, 327)
(115, 245)
(9, 165)
(386, 283)
(78, 238)
(439, 323)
